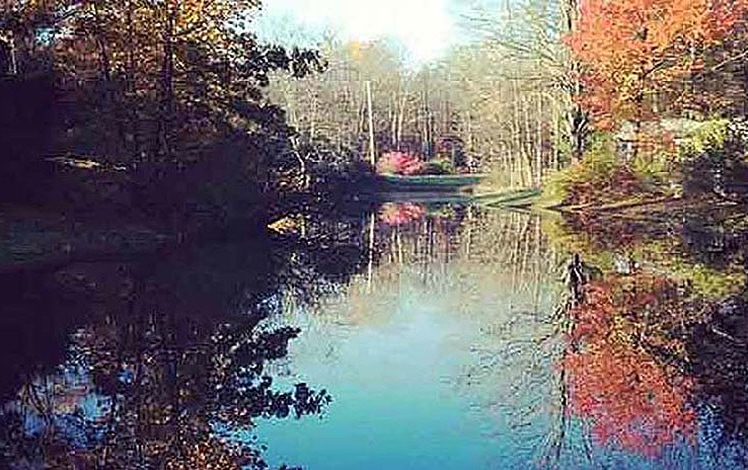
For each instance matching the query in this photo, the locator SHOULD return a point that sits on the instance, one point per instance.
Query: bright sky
(426, 28)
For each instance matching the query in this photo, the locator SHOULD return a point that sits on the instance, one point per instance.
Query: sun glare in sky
(425, 28)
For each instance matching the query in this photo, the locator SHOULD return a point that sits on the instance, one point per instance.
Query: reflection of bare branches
(533, 344)
(551, 455)
(370, 265)
(523, 345)
(29, 393)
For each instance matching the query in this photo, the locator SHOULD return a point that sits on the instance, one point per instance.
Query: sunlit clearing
(424, 27)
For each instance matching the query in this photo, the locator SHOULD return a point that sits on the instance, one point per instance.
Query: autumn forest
(235, 240)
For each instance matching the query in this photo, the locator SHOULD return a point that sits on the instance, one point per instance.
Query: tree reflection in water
(401, 213)
(650, 369)
(169, 368)
(615, 380)
(657, 359)
(167, 364)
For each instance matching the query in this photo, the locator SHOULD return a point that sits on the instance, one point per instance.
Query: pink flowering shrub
(399, 163)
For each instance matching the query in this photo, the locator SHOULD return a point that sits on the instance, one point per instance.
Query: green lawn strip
(511, 198)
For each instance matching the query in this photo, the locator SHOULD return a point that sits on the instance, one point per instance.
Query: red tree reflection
(400, 213)
(630, 398)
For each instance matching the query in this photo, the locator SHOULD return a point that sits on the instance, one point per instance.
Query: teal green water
(442, 332)
(445, 354)
(415, 354)
(396, 403)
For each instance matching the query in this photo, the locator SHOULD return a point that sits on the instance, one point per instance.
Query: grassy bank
(510, 198)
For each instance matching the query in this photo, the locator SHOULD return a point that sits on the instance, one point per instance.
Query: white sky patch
(425, 27)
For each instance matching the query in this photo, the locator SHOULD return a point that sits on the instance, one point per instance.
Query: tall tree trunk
(361, 113)
(400, 120)
(372, 157)
(520, 155)
(556, 139)
(744, 70)
(426, 139)
(13, 54)
(167, 84)
(528, 137)
(393, 121)
(470, 140)
(313, 119)
(539, 142)
(130, 84)
(639, 103)
(577, 119)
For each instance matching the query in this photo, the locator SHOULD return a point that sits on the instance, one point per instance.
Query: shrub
(437, 167)
(399, 163)
(598, 178)
(715, 160)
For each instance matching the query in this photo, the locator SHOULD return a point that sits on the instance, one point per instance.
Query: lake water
(417, 336)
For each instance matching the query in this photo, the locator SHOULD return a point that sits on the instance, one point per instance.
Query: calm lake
(414, 336)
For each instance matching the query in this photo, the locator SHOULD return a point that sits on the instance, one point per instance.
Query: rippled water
(420, 336)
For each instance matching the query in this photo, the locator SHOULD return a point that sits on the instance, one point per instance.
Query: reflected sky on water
(445, 336)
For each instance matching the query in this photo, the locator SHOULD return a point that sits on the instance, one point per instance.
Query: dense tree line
(526, 98)
(174, 92)
(156, 94)
(505, 105)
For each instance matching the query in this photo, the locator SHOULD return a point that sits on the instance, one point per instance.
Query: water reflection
(401, 213)
(451, 336)
(165, 363)
(643, 370)
(620, 330)
(414, 352)
(492, 343)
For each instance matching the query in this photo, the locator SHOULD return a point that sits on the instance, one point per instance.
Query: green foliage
(438, 167)
(599, 178)
(711, 160)
(709, 258)
(715, 160)
(655, 171)
(595, 167)
(590, 240)
(709, 282)
(708, 135)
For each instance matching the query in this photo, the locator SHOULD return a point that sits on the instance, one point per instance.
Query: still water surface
(415, 337)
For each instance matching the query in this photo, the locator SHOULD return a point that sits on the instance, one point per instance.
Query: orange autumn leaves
(630, 397)
(631, 49)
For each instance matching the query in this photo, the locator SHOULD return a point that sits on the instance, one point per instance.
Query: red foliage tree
(630, 49)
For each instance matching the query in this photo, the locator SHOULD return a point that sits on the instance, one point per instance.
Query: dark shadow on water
(161, 362)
